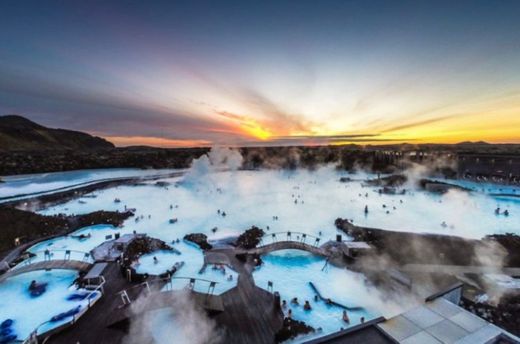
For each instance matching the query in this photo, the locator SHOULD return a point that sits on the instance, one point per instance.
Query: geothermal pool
(29, 312)
(292, 270)
(18, 185)
(193, 261)
(277, 201)
(303, 201)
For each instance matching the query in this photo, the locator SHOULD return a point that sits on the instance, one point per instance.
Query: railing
(33, 337)
(49, 255)
(125, 297)
(288, 236)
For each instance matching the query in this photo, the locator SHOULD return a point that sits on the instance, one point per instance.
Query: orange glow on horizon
(124, 141)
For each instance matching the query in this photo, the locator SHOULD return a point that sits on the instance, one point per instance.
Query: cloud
(421, 123)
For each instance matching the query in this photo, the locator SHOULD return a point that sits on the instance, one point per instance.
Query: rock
(200, 239)
(291, 329)
(250, 238)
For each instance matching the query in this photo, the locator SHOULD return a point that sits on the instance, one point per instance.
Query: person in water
(506, 212)
(329, 302)
(295, 301)
(155, 260)
(345, 317)
(284, 304)
(289, 313)
(307, 306)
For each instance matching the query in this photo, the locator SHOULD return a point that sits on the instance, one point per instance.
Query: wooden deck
(164, 299)
(249, 313)
(246, 313)
(47, 265)
(92, 326)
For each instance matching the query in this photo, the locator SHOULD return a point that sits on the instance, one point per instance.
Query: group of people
(221, 268)
(505, 213)
(307, 307)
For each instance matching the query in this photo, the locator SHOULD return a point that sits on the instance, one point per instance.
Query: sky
(192, 73)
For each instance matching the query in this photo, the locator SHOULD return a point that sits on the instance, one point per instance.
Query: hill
(20, 134)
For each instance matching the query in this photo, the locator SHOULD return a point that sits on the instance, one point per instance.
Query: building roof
(437, 321)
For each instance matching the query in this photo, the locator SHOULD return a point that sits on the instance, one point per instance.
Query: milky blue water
(279, 201)
(27, 311)
(292, 270)
(193, 261)
(44, 182)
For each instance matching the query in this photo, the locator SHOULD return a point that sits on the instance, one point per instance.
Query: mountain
(20, 134)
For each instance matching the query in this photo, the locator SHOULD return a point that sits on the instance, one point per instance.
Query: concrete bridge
(66, 262)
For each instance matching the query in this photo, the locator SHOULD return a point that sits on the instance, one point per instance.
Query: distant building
(490, 167)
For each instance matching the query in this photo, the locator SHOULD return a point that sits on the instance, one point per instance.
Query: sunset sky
(190, 73)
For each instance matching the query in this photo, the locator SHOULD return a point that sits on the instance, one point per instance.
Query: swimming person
(155, 260)
(307, 306)
(506, 212)
(329, 302)
(295, 301)
(345, 317)
(230, 278)
(366, 209)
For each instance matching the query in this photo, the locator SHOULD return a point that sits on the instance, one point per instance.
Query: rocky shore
(28, 226)
(423, 248)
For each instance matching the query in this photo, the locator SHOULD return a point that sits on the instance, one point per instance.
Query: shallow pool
(193, 261)
(292, 270)
(28, 312)
(78, 243)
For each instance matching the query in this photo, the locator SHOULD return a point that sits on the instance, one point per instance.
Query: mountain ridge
(18, 133)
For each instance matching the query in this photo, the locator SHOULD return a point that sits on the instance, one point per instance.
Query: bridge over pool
(289, 240)
(52, 259)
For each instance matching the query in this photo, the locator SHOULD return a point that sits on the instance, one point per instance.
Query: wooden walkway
(287, 245)
(165, 299)
(250, 315)
(92, 326)
(47, 265)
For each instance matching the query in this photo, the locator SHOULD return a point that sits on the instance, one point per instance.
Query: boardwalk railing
(49, 255)
(33, 337)
(289, 240)
(270, 238)
(167, 281)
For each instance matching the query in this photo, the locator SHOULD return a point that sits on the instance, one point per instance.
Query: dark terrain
(27, 147)
(29, 226)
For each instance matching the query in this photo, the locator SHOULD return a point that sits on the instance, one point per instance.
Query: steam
(218, 159)
(182, 322)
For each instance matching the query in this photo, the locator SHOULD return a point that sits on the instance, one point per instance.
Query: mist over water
(305, 201)
(278, 200)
